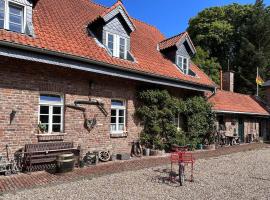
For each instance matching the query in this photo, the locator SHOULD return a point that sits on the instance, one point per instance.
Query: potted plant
(199, 146)
(146, 149)
(158, 146)
(41, 127)
(210, 141)
(146, 142)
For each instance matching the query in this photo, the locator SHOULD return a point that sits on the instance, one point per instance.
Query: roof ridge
(173, 36)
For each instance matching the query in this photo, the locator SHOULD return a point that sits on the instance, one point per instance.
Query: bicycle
(136, 149)
(182, 158)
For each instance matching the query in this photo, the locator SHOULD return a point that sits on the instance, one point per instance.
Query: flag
(259, 80)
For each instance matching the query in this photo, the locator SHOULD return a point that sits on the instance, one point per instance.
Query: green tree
(208, 64)
(216, 30)
(254, 49)
(239, 34)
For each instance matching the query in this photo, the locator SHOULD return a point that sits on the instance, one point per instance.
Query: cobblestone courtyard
(243, 175)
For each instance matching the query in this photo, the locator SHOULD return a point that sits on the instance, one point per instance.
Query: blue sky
(170, 16)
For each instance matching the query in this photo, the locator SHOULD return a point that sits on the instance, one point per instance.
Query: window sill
(119, 135)
(50, 134)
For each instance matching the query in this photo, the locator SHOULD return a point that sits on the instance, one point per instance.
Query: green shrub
(157, 109)
(200, 119)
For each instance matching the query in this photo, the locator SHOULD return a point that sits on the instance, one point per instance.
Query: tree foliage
(157, 111)
(200, 119)
(236, 33)
(208, 64)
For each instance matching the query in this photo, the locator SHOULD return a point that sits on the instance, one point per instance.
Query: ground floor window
(51, 112)
(118, 116)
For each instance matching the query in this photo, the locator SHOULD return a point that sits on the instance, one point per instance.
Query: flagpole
(257, 82)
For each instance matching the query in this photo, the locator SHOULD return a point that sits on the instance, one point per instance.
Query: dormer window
(12, 16)
(117, 45)
(183, 63)
(112, 30)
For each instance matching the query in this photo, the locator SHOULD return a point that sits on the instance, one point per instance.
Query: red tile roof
(61, 26)
(237, 103)
(169, 42)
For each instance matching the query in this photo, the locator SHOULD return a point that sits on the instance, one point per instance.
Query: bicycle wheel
(181, 174)
(137, 150)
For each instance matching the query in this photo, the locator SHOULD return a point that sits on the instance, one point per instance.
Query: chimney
(228, 81)
(221, 79)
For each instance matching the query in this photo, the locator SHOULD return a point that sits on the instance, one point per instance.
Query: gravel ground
(244, 175)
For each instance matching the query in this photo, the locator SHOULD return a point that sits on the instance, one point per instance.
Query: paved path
(38, 179)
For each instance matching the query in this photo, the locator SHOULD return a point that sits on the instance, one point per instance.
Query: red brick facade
(21, 84)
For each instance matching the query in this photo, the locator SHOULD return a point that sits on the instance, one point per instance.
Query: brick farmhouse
(73, 68)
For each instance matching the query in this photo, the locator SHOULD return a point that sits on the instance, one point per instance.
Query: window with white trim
(183, 63)
(118, 116)
(12, 16)
(51, 112)
(117, 45)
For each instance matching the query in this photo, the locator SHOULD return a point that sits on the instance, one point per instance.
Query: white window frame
(116, 45)
(6, 14)
(51, 105)
(118, 108)
(182, 66)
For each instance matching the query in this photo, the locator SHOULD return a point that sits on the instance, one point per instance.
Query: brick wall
(21, 84)
(20, 87)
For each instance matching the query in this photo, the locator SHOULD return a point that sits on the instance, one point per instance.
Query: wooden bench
(45, 154)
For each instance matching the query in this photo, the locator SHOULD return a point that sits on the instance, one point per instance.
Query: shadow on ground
(166, 176)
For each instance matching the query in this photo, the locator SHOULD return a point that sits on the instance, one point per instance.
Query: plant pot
(200, 146)
(146, 152)
(210, 147)
(153, 152)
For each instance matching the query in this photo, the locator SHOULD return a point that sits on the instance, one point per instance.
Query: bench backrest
(48, 146)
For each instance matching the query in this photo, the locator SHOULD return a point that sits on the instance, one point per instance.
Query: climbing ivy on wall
(157, 109)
